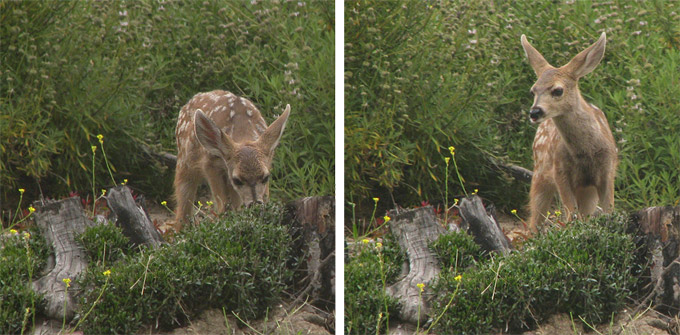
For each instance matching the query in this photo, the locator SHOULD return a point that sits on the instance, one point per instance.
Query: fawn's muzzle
(535, 114)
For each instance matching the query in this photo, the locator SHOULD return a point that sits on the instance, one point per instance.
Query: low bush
(370, 268)
(586, 269)
(105, 244)
(236, 262)
(22, 257)
(457, 251)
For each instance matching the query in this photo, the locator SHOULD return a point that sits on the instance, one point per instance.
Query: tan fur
(223, 139)
(574, 151)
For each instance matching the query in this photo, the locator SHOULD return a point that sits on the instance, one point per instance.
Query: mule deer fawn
(574, 149)
(223, 139)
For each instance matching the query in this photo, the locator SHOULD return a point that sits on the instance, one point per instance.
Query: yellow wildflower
(376, 200)
(94, 148)
(514, 211)
(452, 150)
(209, 203)
(200, 204)
(107, 273)
(100, 137)
(31, 209)
(378, 245)
(27, 235)
(21, 190)
(387, 218)
(103, 192)
(558, 213)
(124, 181)
(458, 278)
(447, 159)
(13, 231)
(421, 286)
(365, 241)
(67, 281)
(164, 203)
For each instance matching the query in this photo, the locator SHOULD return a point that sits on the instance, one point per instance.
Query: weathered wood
(60, 222)
(486, 231)
(660, 229)
(414, 230)
(312, 222)
(132, 218)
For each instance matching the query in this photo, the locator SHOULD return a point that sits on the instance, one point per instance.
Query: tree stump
(131, 218)
(414, 230)
(60, 222)
(312, 224)
(486, 231)
(659, 229)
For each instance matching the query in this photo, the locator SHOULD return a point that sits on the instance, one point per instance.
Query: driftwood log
(60, 222)
(482, 225)
(132, 218)
(312, 224)
(414, 230)
(659, 232)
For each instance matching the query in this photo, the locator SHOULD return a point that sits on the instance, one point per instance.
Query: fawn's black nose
(535, 114)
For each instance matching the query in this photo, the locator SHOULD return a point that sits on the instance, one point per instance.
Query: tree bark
(415, 229)
(486, 231)
(132, 218)
(659, 232)
(312, 224)
(60, 222)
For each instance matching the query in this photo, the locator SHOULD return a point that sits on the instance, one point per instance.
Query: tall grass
(421, 76)
(72, 70)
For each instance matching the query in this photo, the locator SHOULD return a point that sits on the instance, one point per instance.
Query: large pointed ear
(588, 59)
(211, 137)
(271, 137)
(536, 60)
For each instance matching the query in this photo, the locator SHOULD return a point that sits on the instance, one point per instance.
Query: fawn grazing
(574, 149)
(223, 139)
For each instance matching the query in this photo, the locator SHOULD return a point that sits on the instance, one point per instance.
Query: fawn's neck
(580, 130)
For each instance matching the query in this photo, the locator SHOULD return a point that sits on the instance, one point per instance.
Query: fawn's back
(223, 139)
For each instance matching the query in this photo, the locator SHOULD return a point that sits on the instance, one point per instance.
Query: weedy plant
(74, 70)
(404, 106)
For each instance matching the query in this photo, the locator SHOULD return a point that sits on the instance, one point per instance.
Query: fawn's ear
(269, 140)
(588, 59)
(211, 137)
(536, 60)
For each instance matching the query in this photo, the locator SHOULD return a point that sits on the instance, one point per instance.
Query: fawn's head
(556, 90)
(248, 163)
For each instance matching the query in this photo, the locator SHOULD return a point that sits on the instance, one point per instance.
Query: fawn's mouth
(535, 114)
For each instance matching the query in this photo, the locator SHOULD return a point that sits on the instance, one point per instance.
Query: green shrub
(423, 76)
(236, 262)
(72, 70)
(104, 243)
(369, 270)
(457, 250)
(21, 260)
(586, 269)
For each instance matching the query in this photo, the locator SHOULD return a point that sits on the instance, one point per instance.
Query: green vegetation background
(72, 70)
(421, 76)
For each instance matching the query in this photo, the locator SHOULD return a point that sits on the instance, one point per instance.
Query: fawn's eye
(557, 92)
(237, 181)
(265, 179)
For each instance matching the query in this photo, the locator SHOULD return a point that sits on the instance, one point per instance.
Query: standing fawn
(574, 150)
(223, 139)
